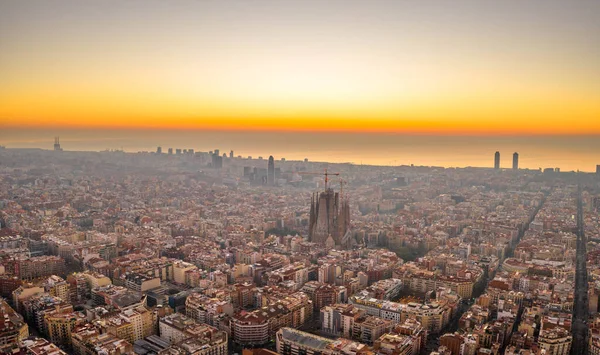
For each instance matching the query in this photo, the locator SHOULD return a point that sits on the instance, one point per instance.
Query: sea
(566, 152)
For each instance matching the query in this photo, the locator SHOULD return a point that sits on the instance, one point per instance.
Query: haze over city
(299, 177)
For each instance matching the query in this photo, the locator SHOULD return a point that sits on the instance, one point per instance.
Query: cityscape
(181, 252)
(286, 177)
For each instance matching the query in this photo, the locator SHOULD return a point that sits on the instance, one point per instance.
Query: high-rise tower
(497, 161)
(271, 171)
(216, 161)
(57, 144)
(516, 161)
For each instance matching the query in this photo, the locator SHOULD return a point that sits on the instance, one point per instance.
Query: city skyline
(570, 153)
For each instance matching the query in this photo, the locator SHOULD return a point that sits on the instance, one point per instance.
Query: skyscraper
(271, 171)
(159, 150)
(57, 144)
(516, 161)
(497, 161)
(216, 161)
(598, 169)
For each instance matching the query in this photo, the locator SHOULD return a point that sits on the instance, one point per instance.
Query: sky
(432, 67)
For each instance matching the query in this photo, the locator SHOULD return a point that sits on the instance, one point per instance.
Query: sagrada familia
(330, 220)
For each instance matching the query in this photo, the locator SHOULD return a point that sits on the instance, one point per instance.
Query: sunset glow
(302, 67)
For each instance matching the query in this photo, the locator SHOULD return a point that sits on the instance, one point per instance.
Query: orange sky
(508, 68)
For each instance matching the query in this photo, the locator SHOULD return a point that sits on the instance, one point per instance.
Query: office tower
(330, 219)
(231, 154)
(216, 151)
(159, 150)
(57, 144)
(217, 161)
(497, 160)
(516, 161)
(170, 151)
(598, 169)
(178, 151)
(271, 171)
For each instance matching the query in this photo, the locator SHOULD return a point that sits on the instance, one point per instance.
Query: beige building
(396, 344)
(141, 283)
(251, 328)
(40, 346)
(57, 286)
(24, 292)
(432, 316)
(205, 309)
(118, 327)
(87, 340)
(95, 279)
(203, 343)
(142, 321)
(189, 337)
(293, 342)
(368, 329)
(13, 328)
(179, 270)
(555, 341)
(60, 325)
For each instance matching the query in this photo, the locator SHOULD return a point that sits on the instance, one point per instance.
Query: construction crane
(326, 174)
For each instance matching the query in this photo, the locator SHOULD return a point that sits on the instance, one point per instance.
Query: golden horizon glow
(522, 117)
(354, 68)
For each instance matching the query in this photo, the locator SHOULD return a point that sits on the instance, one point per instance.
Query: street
(580, 307)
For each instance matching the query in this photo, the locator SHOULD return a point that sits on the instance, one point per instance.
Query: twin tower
(515, 161)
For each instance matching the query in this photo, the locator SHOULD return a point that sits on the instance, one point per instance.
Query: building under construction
(330, 220)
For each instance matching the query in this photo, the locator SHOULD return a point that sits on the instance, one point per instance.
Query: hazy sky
(431, 66)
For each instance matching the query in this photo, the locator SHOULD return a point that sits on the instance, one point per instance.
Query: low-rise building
(292, 342)
(189, 337)
(555, 341)
(40, 346)
(13, 328)
(367, 329)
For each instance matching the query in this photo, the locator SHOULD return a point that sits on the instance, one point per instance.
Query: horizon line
(107, 150)
(261, 129)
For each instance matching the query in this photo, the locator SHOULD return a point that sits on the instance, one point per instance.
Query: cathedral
(330, 220)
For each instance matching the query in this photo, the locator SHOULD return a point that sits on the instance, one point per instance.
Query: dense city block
(180, 252)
